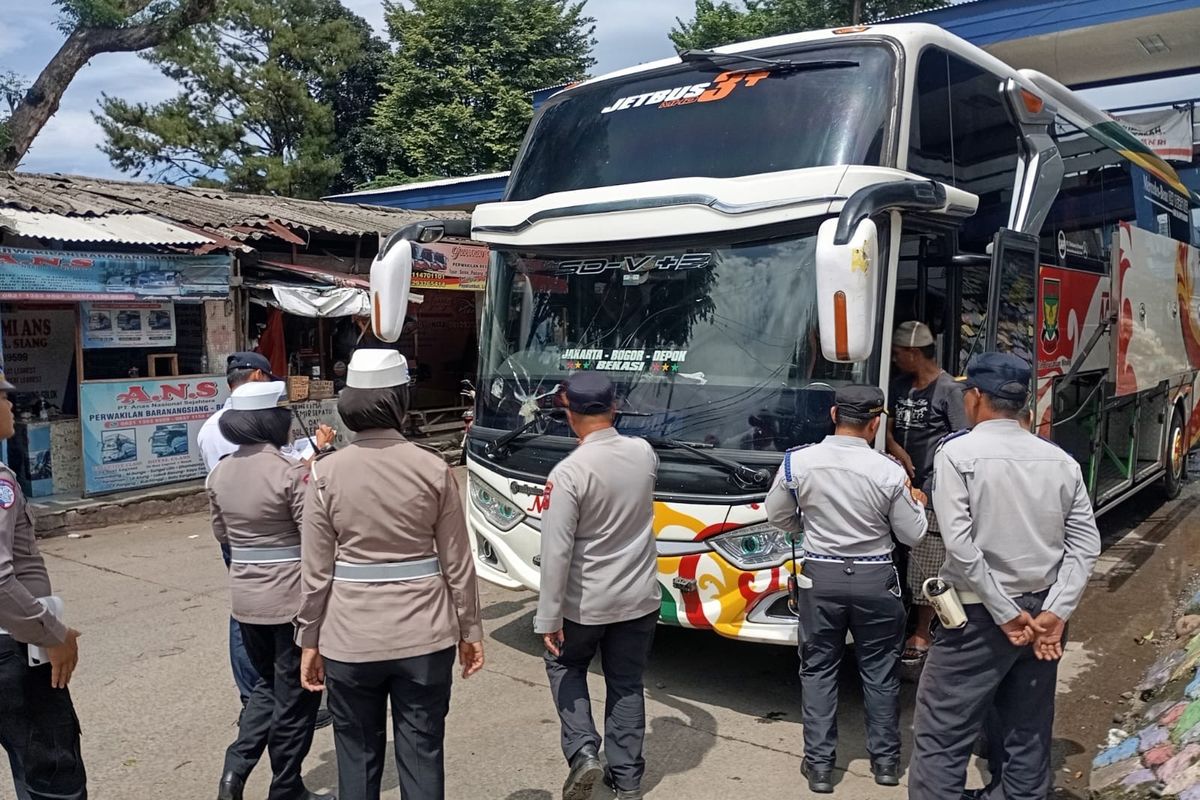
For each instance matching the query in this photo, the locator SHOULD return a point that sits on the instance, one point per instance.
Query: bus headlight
(501, 513)
(754, 547)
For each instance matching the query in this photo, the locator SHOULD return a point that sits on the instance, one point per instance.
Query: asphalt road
(158, 706)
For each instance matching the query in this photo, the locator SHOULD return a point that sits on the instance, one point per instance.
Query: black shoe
(315, 796)
(820, 781)
(886, 773)
(622, 794)
(324, 719)
(230, 787)
(585, 771)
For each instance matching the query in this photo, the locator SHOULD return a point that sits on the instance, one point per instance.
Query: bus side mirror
(391, 271)
(391, 278)
(847, 291)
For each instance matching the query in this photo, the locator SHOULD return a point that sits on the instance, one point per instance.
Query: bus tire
(1175, 457)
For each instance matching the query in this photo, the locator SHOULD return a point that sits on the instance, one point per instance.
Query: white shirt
(214, 446)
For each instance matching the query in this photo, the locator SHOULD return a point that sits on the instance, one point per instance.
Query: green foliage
(718, 23)
(12, 89)
(78, 14)
(272, 92)
(457, 99)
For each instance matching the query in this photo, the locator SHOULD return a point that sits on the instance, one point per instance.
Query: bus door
(925, 289)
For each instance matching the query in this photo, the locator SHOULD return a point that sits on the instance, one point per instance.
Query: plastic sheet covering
(332, 301)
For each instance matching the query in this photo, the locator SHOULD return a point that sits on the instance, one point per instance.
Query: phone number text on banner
(140, 433)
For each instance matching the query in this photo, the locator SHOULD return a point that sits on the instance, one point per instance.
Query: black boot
(622, 794)
(886, 773)
(231, 786)
(820, 781)
(585, 771)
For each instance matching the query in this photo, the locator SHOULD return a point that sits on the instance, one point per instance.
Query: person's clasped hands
(1044, 632)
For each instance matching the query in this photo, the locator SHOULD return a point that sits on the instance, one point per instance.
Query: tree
(12, 88)
(92, 27)
(457, 100)
(718, 23)
(273, 92)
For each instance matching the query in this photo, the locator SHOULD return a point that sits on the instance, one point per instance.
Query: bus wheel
(1176, 457)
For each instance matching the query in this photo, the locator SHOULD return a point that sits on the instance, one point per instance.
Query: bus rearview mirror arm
(391, 271)
(848, 268)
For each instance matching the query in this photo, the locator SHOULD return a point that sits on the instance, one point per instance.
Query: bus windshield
(720, 120)
(715, 346)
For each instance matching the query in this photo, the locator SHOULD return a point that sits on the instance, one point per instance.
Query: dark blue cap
(858, 402)
(1001, 375)
(589, 393)
(248, 360)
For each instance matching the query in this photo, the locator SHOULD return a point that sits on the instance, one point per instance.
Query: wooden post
(322, 350)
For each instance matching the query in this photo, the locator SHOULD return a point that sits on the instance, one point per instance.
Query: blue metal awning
(1081, 43)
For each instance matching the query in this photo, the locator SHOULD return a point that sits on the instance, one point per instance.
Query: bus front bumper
(699, 590)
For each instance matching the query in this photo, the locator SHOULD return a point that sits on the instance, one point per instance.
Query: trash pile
(1159, 756)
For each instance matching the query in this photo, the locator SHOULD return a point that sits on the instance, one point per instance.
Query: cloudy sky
(627, 31)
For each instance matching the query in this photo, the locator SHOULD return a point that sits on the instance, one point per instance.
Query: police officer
(256, 496)
(1021, 541)
(853, 498)
(599, 588)
(38, 726)
(389, 588)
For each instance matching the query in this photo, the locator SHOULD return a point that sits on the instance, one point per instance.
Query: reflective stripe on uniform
(264, 555)
(387, 572)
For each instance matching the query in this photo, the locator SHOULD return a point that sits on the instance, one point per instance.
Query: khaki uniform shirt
(599, 563)
(23, 576)
(1015, 516)
(383, 499)
(257, 499)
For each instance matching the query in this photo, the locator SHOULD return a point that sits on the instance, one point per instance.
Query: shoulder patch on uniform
(8, 493)
(950, 437)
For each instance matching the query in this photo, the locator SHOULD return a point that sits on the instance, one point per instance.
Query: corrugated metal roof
(236, 216)
(122, 228)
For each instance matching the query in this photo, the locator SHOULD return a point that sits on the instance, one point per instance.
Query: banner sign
(128, 324)
(450, 266)
(39, 348)
(1168, 133)
(139, 433)
(45, 273)
(1160, 208)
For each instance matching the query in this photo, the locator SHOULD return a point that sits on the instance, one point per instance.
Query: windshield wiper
(746, 477)
(499, 447)
(772, 64)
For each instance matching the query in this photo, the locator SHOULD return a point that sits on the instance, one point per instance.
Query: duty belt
(387, 571)
(264, 555)
(883, 559)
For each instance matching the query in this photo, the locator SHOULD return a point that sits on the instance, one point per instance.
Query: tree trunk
(43, 98)
(856, 16)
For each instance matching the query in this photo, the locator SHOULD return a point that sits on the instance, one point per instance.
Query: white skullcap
(376, 369)
(256, 395)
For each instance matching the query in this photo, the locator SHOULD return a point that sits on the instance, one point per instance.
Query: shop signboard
(49, 274)
(128, 324)
(450, 266)
(139, 433)
(1168, 133)
(39, 348)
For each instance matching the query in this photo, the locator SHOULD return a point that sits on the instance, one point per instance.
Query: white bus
(732, 234)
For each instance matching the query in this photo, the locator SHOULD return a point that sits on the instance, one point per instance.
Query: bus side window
(962, 135)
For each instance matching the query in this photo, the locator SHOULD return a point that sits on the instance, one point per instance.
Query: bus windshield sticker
(718, 88)
(634, 264)
(623, 360)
